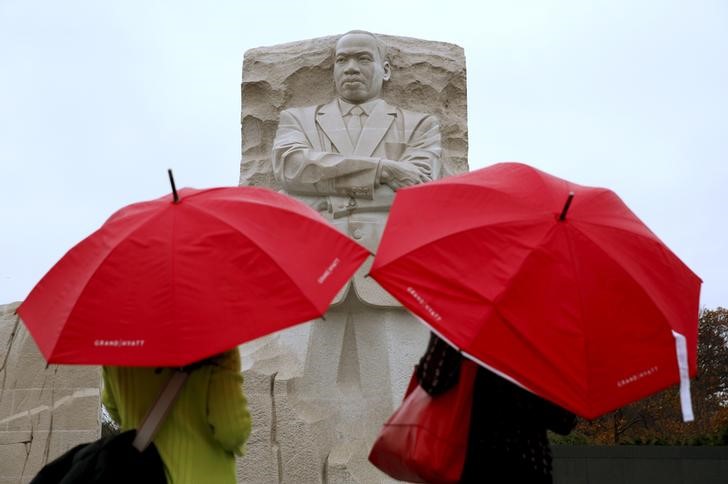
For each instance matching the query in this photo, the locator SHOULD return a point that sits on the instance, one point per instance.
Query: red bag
(426, 438)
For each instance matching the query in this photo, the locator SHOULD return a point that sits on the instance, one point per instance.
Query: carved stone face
(359, 71)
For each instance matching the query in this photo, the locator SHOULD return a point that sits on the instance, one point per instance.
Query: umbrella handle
(174, 188)
(566, 206)
(161, 407)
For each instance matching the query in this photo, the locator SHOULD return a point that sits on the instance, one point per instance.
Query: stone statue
(319, 392)
(346, 158)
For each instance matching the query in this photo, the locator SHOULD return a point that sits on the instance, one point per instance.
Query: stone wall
(44, 410)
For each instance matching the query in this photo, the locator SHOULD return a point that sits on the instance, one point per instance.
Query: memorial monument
(345, 141)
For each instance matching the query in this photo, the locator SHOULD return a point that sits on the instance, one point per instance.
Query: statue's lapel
(331, 122)
(377, 125)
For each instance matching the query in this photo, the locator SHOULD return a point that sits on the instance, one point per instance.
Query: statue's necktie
(354, 124)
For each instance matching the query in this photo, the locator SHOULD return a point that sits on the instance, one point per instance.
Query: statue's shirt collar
(368, 107)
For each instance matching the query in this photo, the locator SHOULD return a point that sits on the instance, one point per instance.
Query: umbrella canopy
(165, 283)
(581, 304)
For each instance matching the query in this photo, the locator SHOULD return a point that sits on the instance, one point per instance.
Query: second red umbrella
(574, 299)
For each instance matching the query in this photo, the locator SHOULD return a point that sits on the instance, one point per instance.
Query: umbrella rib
(586, 352)
(236, 230)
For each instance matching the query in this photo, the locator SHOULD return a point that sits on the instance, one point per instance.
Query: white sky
(99, 98)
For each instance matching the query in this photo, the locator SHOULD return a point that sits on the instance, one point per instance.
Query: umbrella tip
(174, 188)
(566, 206)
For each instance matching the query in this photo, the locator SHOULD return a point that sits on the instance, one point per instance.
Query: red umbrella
(167, 283)
(576, 300)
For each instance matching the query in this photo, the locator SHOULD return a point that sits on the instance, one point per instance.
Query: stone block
(302, 434)
(259, 464)
(15, 436)
(8, 325)
(6, 407)
(81, 411)
(77, 376)
(26, 367)
(13, 460)
(31, 409)
(38, 453)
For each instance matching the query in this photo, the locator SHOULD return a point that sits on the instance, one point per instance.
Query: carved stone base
(310, 429)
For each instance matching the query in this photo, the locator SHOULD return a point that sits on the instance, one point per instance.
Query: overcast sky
(99, 98)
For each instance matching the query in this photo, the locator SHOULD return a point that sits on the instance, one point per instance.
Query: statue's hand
(398, 174)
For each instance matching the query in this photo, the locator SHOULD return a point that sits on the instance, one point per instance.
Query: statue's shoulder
(408, 114)
(306, 112)
(301, 112)
(416, 119)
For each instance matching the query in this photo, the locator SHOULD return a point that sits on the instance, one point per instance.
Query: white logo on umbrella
(119, 342)
(424, 304)
(328, 271)
(637, 376)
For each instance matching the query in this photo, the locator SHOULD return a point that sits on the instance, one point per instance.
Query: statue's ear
(387, 71)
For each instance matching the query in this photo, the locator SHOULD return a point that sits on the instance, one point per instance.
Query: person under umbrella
(205, 429)
(507, 440)
(166, 284)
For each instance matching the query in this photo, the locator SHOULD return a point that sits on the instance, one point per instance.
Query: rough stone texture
(427, 77)
(291, 430)
(268, 364)
(43, 411)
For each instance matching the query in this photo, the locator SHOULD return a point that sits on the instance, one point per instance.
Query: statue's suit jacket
(315, 161)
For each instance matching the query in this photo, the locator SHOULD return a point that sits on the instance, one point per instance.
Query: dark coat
(507, 441)
(111, 459)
